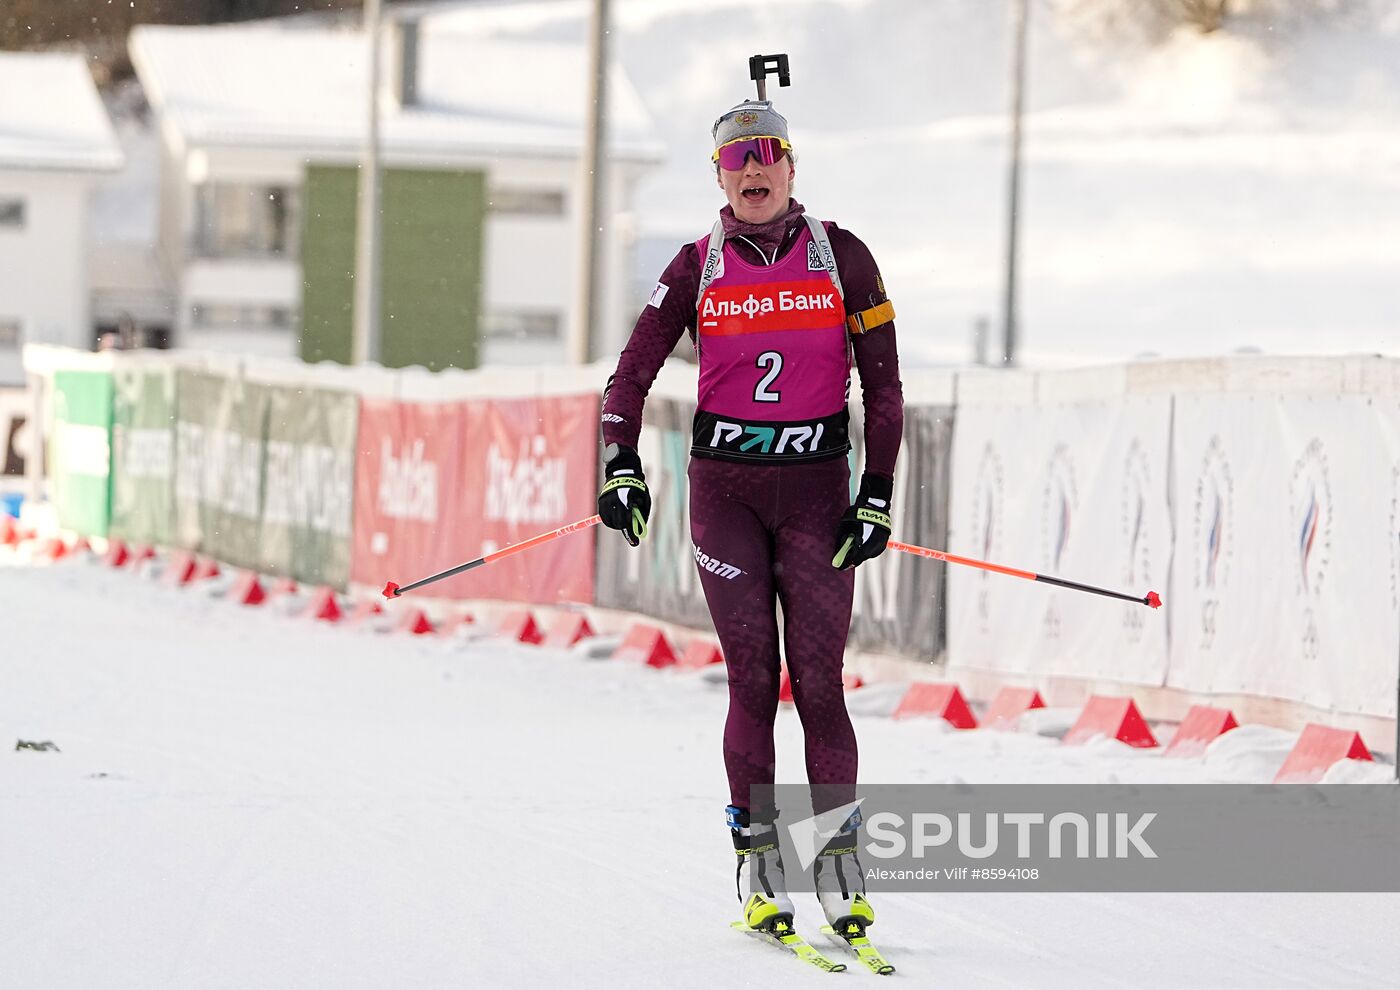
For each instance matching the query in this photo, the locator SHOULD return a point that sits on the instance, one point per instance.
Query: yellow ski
(855, 939)
(782, 935)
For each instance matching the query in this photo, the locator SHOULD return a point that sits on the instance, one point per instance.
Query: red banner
(437, 484)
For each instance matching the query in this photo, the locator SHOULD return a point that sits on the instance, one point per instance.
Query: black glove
(624, 503)
(865, 528)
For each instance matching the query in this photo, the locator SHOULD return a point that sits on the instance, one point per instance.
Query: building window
(11, 212)
(530, 202)
(246, 221)
(515, 324)
(252, 316)
(126, 333)
(10, 334)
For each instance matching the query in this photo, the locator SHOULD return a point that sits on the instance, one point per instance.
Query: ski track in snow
(245, 799)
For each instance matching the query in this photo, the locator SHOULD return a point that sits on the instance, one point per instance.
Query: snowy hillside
(244, 799)
(1224, 191)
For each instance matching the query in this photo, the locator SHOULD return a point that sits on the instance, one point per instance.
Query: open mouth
(755, 194)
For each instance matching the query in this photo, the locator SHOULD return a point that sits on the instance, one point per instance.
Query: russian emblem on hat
(746, 118)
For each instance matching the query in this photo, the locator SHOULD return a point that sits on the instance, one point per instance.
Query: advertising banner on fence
(437, 484)
(219, 430)
(80, 450)
(658, 577)
(1076, 491)
(1281, 586)
(143, 455)
(309, 482)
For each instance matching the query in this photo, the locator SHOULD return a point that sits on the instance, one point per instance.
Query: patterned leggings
(765, 535)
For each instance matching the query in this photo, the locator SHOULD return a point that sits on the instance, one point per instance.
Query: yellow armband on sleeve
(869, 319)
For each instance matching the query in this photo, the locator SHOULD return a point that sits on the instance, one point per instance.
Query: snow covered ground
(244, 799)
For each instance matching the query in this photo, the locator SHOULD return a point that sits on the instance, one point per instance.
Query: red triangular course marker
(567, 629)
(519, 625)
(117, 554)
(943, 700)
(366, 608)
(247, 589)
(54, 548)
(179, 569)
(1009, 705)
(1316, 750)
(646, 644)
(9, 531)
(323, 605)
(205, 567)
(1201, 726)
(1117, 718)
(414, 621)
(701, 653)
(785, 687)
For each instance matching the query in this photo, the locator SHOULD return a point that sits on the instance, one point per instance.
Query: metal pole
(1018, 84)
(592, 190)
(365, 344)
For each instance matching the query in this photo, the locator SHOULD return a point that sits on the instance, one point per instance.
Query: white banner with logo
(1077, 491)
(1287, 577)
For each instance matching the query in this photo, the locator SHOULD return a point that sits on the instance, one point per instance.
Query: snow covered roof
(292, 86)
(51, 116)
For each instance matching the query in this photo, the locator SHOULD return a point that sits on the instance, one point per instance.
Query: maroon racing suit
(763, 514)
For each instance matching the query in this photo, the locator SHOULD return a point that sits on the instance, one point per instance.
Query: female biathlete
(777, 306)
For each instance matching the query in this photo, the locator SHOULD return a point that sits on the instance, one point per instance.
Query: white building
(243, 109)
(131, 293)
(55, 140)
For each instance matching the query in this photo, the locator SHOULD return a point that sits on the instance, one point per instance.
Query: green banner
(143, 455)
(433, 252)
(219, 430)
(309, 485)
(80, 450)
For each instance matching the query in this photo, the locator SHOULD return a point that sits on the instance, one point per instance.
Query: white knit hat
(752, 118)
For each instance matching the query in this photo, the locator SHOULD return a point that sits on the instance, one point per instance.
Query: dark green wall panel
(328, 264)
(432, 241)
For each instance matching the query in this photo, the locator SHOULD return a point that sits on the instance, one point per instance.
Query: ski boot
(759, 877)
(841, 882)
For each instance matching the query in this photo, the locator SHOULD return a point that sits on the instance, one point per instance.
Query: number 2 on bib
(773, 361)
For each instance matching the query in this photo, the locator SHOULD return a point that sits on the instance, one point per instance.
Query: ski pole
(392, 590)
(1151, 599)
